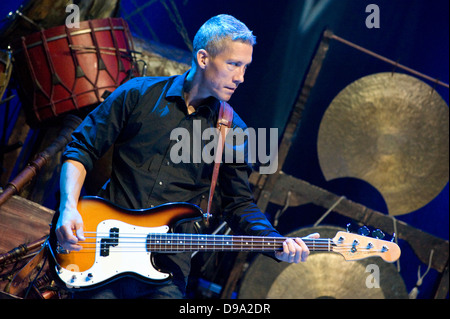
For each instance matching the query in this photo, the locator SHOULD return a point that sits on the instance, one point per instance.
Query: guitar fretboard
(162, 242)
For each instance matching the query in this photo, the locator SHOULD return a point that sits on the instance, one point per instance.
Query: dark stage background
(413, 32)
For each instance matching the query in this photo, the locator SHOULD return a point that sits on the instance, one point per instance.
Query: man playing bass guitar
(137, 120)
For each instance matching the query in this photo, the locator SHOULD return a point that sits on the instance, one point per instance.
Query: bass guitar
(120, 242)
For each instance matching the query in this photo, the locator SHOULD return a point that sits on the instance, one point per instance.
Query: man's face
(224, 72)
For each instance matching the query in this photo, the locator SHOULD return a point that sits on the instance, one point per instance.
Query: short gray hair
(212, 34)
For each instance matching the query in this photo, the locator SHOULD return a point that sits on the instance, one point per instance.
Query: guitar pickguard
(120, 248)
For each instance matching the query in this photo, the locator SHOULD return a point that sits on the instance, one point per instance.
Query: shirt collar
(176, 91)
(176, 88)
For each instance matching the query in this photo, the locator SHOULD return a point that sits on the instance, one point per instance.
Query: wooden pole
(71, 122)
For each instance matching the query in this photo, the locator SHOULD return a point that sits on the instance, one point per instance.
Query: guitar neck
(193, 242)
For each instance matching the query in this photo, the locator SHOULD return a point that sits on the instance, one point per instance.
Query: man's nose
(239, 76)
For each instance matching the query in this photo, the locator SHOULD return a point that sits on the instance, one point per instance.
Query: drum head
(324, 275)
(71, 70)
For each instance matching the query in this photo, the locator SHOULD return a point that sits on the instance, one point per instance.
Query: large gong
(390, 130)
(323, 275)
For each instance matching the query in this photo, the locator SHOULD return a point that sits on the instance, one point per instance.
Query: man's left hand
(295, 250)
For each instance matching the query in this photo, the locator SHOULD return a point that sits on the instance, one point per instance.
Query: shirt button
(167, 163)
(160, 183)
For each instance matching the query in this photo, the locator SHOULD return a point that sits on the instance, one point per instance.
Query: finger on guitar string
(69, 231)
(291, 251)
(304, 252)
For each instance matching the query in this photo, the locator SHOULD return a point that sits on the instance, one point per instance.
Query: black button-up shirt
(138, 118)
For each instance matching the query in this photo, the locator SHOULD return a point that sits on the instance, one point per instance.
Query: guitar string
(174, 250)
(214, 242)
(208, 242)
(201, 247)
(217, 247)
(190, 241)
(169, 247)
(163, 246)
(217, 241)
(266, 243)
(176, 236)
(141, 249)
(200, 235)
(211, 237)
(234, 240)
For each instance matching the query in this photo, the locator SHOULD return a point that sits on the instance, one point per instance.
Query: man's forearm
(72, 178)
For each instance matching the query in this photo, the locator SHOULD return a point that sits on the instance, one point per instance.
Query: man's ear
(202, 58)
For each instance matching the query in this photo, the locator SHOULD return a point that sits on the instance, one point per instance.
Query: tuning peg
(347, 227)
(378, 234)
(364, 231)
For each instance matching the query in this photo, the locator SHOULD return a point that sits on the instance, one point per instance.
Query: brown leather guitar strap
(224, 122)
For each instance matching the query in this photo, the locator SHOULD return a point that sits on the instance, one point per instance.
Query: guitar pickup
(112, 241)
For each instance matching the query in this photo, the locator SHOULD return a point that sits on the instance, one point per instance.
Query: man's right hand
(69, 230)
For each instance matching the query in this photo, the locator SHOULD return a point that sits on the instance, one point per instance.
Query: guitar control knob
(89, 276)
(74, 277)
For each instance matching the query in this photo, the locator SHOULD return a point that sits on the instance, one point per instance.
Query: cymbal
(323, 276)
(392, 131)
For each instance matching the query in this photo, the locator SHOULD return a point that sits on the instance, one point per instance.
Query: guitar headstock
(356, 247)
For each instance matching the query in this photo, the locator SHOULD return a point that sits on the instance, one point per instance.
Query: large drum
(61, 69)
